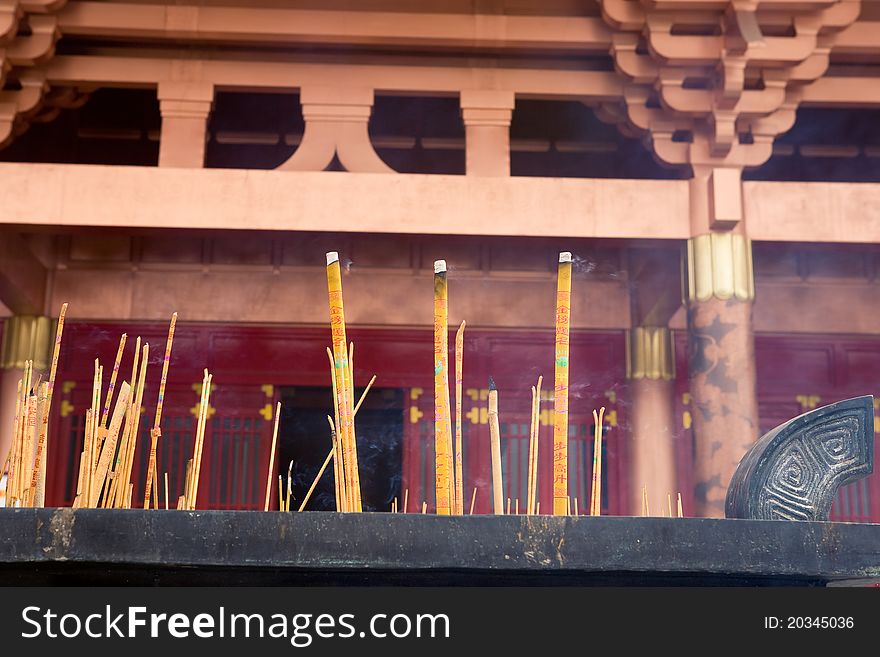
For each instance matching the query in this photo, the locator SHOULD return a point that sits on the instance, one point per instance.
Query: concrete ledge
(39, 546)
(237, 199)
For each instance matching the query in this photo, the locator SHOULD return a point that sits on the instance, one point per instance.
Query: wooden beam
(22, 276)
(439, 27)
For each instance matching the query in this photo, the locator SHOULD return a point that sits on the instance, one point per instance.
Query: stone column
(24, 338)
(650, 369)
(721, 362)
(185, 107)
(487, 116)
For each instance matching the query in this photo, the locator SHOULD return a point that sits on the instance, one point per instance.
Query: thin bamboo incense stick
(560, 407)
(345, 424)
(538, 508)
(495, 445)
(424, 507)
(600, 428)
(596, 457)
(405, 500)
(280, 493)
(320, 472)
(459, 378)
(473, 500)
(669, 503)
(364, 395)
(516, 506)
(289, 486)
(156, 432)
(508, 506)
(105, 415)
(109, 448)
(338, 460)
(680, 511)
(394, 505)
(442, 452)
(197, 467)
(575, 505)
(272, 456)
(166, 490)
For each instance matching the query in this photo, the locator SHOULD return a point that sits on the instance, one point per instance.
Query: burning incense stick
(442, 449)
(560, 408)
(495, 444)
(459, 480)
(272, 456)
(345, 423)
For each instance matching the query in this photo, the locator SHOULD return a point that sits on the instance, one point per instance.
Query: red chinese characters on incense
(560, 408)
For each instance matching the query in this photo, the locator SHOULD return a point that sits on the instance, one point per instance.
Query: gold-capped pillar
(25, 337)
(721, 361)
(651, 371)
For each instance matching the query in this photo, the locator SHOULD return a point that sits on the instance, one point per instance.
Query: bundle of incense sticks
(348, 476)
(194, 465)
(560, 407)
(25, 463)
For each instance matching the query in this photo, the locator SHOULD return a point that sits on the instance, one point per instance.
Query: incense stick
(680, 511)
(339, 460)
(345, 423)
(166, 490)
(364, 394)
(560, 407)
(272, 456)
(405, 500)
(116, 363)
(669, 503)
(459, 378)
(40, 458)
(323, 467)
(473, 500)
(289, 486)
(156, 432)
(442, 450)
(495, 446)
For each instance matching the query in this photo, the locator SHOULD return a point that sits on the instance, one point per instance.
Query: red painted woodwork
(796, 373)
(247, 360)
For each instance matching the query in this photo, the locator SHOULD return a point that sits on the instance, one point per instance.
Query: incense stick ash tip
(565, 256)
(439, 266)
(332, 257)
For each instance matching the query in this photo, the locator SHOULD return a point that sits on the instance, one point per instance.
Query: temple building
(712, 165)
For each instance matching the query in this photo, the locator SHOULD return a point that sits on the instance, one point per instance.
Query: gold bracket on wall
(719, 265)
(26, 337)
(650, 353)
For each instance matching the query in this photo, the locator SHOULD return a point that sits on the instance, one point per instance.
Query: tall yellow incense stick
(272, 456)
(459, 480)
(442, 449)
(345, 428)
(495, 445)
(560, 408)
(338, 459)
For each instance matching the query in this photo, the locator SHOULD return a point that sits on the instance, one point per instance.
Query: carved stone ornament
(793, 472)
